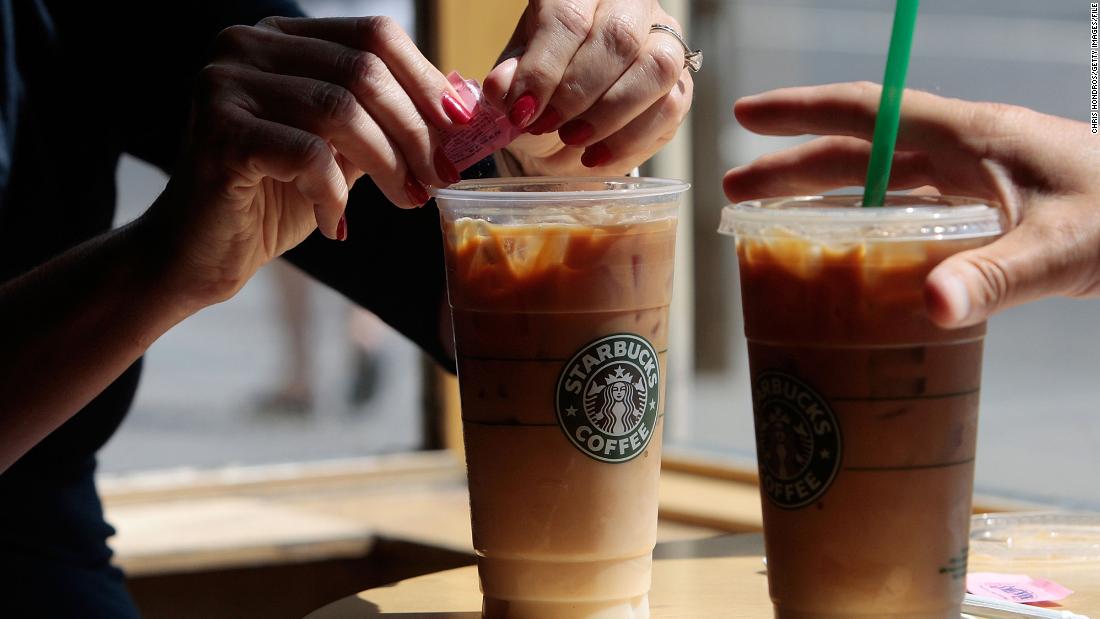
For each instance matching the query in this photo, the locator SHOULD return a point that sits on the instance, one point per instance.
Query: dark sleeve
(149, 54)
(391, 264)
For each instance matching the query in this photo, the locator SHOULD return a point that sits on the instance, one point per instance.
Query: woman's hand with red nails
(287, 115)
(1040, 168)
(597, 91)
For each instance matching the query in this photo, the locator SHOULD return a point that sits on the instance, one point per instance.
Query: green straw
(889, 106)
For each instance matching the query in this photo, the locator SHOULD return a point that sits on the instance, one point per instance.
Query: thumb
(497, 83)
(1028, 263)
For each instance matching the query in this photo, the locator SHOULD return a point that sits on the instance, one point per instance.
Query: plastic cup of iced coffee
(866, 412)
(559, 291)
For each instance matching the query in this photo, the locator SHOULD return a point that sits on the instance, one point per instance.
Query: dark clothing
(80, 84)
(54, 559)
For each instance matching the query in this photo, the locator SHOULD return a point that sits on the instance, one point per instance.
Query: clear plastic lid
(1037, 536)
(842, 218)
(583, 200)
(561, 188)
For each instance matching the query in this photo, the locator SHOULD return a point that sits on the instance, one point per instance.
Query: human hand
(1040, 168)
(591, 76)
(287, 115)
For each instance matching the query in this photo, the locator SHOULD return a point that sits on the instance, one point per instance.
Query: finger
(558, 31)
(928, 122)
(393, 110)
(368, 77)
(334, 114)
(616, 40)
(345, 51)
(1050, 253)
(322, 108)
(495, 86)
(643, 136)
(496, 83)
(255, 148)
(651, 76)
(351, 171)
(823, 164)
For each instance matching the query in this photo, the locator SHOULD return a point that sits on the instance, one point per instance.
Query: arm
(73, 325)
(280, 129)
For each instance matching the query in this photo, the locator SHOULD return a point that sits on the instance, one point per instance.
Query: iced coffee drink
(559, 292)
(866, 413)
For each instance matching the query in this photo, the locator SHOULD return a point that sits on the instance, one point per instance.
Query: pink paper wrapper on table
(488, 131)
(1018, 588)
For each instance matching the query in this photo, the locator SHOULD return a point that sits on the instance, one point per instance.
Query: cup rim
(635, 187)
(840, 216)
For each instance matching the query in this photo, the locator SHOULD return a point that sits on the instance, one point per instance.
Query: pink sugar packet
(489, 130)
(1018, 588)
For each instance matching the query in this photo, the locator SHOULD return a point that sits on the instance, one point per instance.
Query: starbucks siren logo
(797, 440)
(607, 397)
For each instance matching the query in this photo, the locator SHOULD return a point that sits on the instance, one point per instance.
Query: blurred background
(287, 371)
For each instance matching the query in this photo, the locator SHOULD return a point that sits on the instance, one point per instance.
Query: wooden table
(716, 577)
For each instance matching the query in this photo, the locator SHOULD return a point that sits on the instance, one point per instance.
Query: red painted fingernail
(522, 110)
(342, 229)
(576, 132)
(596, 155)
(455, 111)
(415, 190)
(444, 168)
(546, 123)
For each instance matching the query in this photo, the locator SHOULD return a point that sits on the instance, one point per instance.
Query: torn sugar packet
(488, 131)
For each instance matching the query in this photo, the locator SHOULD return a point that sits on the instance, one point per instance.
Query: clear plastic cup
(559, 291)
(866, 412)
